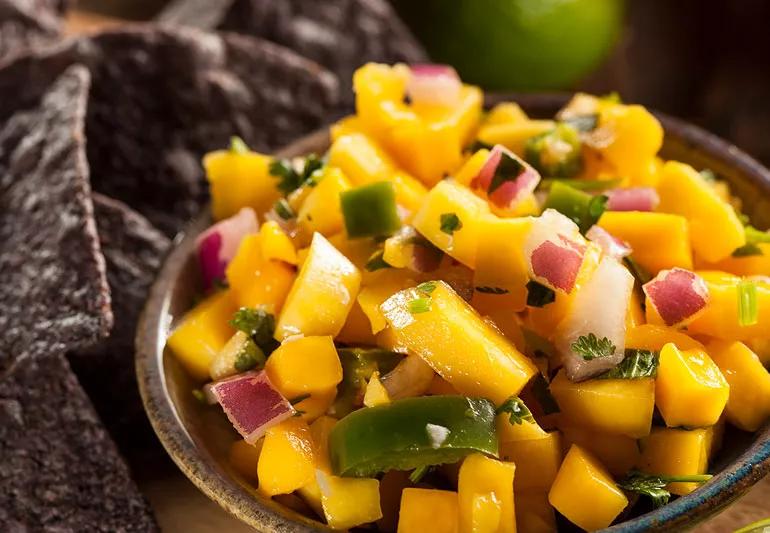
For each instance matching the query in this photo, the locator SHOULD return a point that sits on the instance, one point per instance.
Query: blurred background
(703, 60)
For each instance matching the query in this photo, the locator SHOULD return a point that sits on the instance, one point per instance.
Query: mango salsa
(675, 452)
(485, 494)
(444, 511)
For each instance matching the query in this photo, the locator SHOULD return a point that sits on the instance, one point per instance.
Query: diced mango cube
(618, 406)
(244, 457)
(675, 452)
(513, 135)
(748, 406)
(508, 432)
(690, 390)
(322, 295)
(360, 159)
(428, 510)
(653, 337)
(505, 112)
(752, 265)
(537, 460)
(288, 443)
(585, 493)
(636, 137)
(255, 282)
(238, 180)
(449, 198)
(321, 211)
(721, 318)
(485, 495)
(380, 286)
(275, 244)
(643, 230)
(202, 333)
(715, 230)
(498, 308)
(306, 366)
(349, 502)
(534, 513)
(454, 340)
(375, 392)
(357, 329)
(471, 167)
(618, 453)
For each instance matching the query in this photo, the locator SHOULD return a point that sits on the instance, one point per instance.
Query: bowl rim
(726, 486)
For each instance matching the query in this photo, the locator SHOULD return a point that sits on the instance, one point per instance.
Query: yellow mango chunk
(635, 314)
(306, 366)
(255, 282)
(537, 460)
(585, 493)
(653, 337)
(321, 211)
(748, 406)
(471, 167)
(428, 510)
(358, 251)
(721, 318)
(507, 432)
(449, 198)
(513, 135)
(752, 265)
(380, 286)
(505, 112)
(375, 394)
(349, 502)
(618, 453)
(690, 390)
(485, 495)
(243, 458)
(643, 230)
(500, 261)
(715, 230)
(534, 513)
(322, 295)
(453, 339)
(498, 308)
(675, 452)
(275, 244)
(357, 329)
(618, 406)
(636, 137)
(346, 125)
(238, 180)
(202, 333)
(288, 443)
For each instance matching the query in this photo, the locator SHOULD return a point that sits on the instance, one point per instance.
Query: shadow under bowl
(198, 437)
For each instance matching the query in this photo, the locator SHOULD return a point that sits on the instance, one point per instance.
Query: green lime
(516, 44)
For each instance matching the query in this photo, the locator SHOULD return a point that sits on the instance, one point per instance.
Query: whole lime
(516, 44)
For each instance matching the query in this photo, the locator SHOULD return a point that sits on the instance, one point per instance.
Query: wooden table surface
(179, 506)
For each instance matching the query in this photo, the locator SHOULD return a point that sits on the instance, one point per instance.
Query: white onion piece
(554, 249)
(610, 245)
(217, 246)
(251, 403)
(599, 307)
(411, 377)
(434, 85)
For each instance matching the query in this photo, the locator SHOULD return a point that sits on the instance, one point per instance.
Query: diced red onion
(554, 250)
(632, 199)
(511, 192)
(218, 244)
(251, 403)
(599, 307)
(610, 245)
(678, 295)
(425, 257)
(434, 84)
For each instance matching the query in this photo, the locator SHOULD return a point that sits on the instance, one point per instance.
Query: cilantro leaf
(492, 290)
(636, 364)
(419, 305)
(508, 169)
(257, 324)
(518, 412)
(637, 270)
(427, 287)
(290, 179)
(376, 262)
(283, 209)
(590, 347)
(538, 295)
(450, 223)
(654, 486)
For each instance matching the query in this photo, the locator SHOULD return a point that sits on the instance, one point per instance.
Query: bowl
(198, 437)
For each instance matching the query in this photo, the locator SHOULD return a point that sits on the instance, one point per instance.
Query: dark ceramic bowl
(198, 437)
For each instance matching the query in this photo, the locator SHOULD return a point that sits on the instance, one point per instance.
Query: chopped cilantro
(747, 250)
(636, 364)
(419, 305)
(654, 486)
(637, 270)
(237, 146)
(290, 179)
(590, 347)
(538, 295)
(419, 473)
(508, 169)
(376, 262)
(450, 223)
(257, 324)
(427, 287)
(300, 398)
(492, 290)
(283, 209)
(518, 412)
(542, 393)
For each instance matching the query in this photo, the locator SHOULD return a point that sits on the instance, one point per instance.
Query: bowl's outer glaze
(198, 437)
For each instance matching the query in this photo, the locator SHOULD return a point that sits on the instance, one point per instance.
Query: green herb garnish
(258, 324)
(637, 364)
(518, 412)
(538, 295)
(747, 250)
(290, 179)
(590, 347)
(654, 486)
(542, 393)
(427, 287)
(376, 262)
(283, 209)
(508, 169)
(555, 153)
(596, 208)
(637, 270)
(450, 223)
(419, 473)
(419, 305)
(582, 184)
(237, 146)
(249, 357)
(492, 290)
(748, 313)
(199, 395)
(300, 398)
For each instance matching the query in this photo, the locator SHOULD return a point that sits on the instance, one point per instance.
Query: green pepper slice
(370, 210)
(358, 365)
(412, 433)
(556, 153)
(583, 208)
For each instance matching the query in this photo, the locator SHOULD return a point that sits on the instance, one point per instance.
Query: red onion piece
(632, 199)
(434, 85)
(251, 403)
(678, 295)
(610, 245)
(510, 192)
(218, 244)
(425, 258)
(554, 249)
